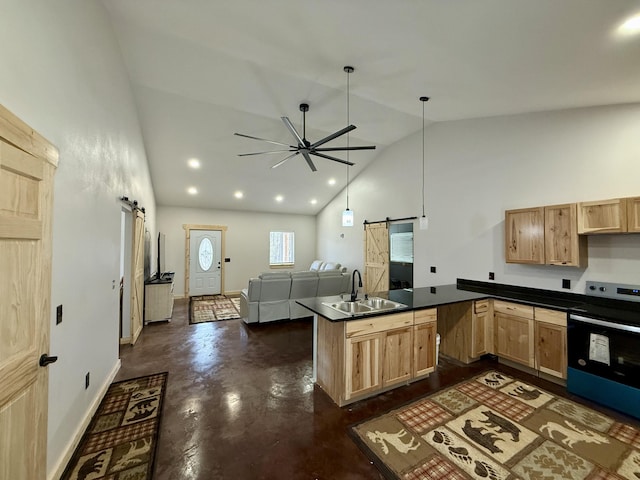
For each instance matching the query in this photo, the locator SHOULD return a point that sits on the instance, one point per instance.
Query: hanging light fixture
(424, 221)
(347, 215)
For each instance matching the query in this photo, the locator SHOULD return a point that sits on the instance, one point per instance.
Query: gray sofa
(272, 296)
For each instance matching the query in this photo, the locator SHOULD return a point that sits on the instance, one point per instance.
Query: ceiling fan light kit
(303, 146)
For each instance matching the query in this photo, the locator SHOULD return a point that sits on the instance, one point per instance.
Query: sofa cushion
(274, 275)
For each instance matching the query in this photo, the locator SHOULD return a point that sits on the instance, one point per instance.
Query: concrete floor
(240, 403)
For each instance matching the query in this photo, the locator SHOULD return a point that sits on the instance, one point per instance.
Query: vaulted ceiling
(204, 69)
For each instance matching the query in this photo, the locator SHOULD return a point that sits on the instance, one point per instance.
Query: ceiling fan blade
(309, 161)
(315, 152)
(263, 140)
(264, 153)
(337, 149)
(293, 131)
(284, 160)
(333, 135)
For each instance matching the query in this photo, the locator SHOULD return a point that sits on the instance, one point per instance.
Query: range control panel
(619, 291)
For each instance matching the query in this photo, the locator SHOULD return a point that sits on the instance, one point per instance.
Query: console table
(158, 299)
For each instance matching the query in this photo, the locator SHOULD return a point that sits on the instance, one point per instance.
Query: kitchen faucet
(354, 292)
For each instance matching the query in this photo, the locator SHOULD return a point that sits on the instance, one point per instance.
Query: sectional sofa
(272, 296)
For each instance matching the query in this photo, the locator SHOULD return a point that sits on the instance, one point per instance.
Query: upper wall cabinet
(605, 216)
(544, 235)
(633, 214)
(563, 245)
(524, 235)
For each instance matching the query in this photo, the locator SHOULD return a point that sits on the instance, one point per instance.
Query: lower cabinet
(363, 365)
(359, 358)
(482, 328)
(551, 342)
(397, 356)
(514, 332)
(424, 341)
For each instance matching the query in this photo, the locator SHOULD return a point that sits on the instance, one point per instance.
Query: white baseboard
(57, 472)
(125, 341)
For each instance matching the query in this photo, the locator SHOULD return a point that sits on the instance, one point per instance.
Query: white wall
(247, 241)
(476, 169)
(62, 73)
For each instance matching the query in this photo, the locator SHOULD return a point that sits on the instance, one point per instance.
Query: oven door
(605, 349)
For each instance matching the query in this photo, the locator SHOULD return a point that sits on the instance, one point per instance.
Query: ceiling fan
(304, 146)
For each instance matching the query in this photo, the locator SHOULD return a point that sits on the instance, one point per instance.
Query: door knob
(46, 360)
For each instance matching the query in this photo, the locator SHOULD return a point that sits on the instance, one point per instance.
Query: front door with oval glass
(205, 262)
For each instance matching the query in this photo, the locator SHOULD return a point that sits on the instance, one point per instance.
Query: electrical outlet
(433, 269)
(58, 314)
(86, 380)
(566, 283)
(492, 276)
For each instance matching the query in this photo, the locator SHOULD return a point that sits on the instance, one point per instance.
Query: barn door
(376, 257)
(137, 275)
(27, 166)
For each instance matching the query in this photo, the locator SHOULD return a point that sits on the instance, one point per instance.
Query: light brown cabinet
(524, 235)
(482, 328)
(397, 355)
(551, 341)
(563, 245)
(633, 215)
(424, 341)
(359, 358)
(603, 216)
(545, 235)
(363, 365)
(514, 332)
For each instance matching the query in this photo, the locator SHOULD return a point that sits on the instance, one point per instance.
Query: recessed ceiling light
(631, 26)
(238, 194)
(192, 191)
(279, 198)
(193, 163)
(313, 201)
(332, 181)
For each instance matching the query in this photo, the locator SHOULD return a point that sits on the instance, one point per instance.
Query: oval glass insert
(205, 254)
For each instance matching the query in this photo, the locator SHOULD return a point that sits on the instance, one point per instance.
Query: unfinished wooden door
(27, 166)
(376, 257)
(397, 356)
(137, 275)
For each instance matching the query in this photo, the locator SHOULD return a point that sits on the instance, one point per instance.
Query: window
(281, 249)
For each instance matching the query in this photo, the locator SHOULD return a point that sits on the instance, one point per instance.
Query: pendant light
(424, 221)
(347, 215)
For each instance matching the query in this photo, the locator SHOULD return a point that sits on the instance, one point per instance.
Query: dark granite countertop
(468, 290)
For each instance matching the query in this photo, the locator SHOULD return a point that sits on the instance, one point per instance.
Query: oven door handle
(602, 323)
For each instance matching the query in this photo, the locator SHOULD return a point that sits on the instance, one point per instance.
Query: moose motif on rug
(394, 439)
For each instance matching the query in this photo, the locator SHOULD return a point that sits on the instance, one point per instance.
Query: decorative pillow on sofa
(316, 265)
(330, 266)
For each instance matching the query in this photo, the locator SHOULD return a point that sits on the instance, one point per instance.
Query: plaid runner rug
(499, 428)
(121, 440)
(213, 308)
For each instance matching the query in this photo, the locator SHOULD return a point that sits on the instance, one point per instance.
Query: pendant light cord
(348, 72)
(423, 158)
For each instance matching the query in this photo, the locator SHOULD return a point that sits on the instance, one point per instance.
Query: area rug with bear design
(499, 428)
(120, 442)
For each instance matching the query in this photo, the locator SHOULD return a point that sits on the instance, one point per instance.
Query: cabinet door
(604, 216)
(515, 338)
(397, 354)
(479, 334)
(551, 349)
(524, 235)
(363, 372)
(563, 245)
(633, 214)
(424, 349)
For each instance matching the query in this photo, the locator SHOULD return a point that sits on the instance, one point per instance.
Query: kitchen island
(357, 355)
(361, 353)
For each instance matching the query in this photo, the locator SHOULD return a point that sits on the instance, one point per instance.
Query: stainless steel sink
(369, 305)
